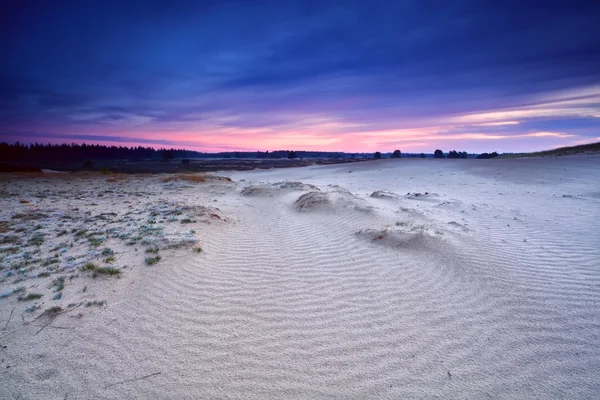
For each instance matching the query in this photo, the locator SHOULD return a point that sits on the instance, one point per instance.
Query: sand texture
(383, 279)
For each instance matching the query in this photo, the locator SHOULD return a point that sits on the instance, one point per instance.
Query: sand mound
(416, 237)
(312, 201)
(256, 190)
(382, 194)
(297, 186)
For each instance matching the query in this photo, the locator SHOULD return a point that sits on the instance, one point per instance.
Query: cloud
(343, 75)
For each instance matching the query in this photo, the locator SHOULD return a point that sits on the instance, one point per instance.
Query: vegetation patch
(100, 270)
(37, 239)
(152, 260)
(185, 177)
(30, 296)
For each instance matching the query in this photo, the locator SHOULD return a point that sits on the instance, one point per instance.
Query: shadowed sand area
(401, 278)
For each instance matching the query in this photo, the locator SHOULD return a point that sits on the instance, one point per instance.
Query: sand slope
(488, 286)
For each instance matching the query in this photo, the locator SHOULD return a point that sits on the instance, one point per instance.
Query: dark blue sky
(344, 75)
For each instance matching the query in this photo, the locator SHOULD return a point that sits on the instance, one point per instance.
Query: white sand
(488, 286)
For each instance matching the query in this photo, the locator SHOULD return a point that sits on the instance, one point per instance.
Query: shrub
(30, 296)
(152, 260)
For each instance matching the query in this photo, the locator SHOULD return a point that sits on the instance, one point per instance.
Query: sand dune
(316, 282)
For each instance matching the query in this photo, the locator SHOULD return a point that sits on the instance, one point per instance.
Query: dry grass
(185, 177)
(116, 178)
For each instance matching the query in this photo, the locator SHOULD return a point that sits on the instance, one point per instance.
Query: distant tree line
(487, 155)
(19, 152)
(79, 152)
(67, 153)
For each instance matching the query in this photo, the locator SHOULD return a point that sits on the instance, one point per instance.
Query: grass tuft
(107, 271)
(89, 267)
(185, 177)
(30, 296)
(53, 311)
(59, 284)
(152, 260)
(100, 270)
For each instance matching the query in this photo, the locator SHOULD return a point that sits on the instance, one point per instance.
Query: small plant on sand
(198, 249)
(10, 239)
(30, 296)
(107, 252)
(97, 303)
(58, 284)
(107, 271)
(49, 261)
(185, 177)
(94, 240)
(152, 250)
(10, 250)
(187, 221)
(36, 240)
(100, 270)
(53, 311)
(89, 267)
(109, 259)
(152, 260)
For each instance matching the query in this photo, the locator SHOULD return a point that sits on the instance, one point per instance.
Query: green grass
(152, 250)
(49, 261)
(198, 249)
(107, 271)
(107, 252)
(58, 284)
(30, 296)
(89, 267)
(100, 270)
(95, 241)
(152, 260)
(36, 239)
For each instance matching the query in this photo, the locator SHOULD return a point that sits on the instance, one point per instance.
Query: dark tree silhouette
(396, 154)
(487, 155)
(291, 155)
(422, 155)
(377, 155)
(168, 154)
(438, 154)
(457, 154)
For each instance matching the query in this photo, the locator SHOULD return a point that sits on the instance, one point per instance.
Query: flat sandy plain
(391, 279)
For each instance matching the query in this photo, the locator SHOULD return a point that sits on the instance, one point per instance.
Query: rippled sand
(384, 279)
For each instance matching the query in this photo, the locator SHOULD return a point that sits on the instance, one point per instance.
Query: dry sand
(384, 279)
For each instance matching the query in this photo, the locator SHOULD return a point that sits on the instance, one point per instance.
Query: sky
(355, 76)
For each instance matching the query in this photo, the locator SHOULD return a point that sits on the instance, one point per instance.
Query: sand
(382, 279)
